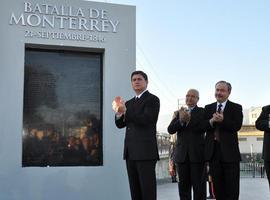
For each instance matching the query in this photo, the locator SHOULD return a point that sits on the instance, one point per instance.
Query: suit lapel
(138, 102)
(214, 108)
(194, 110)
(144, 95)
(227, 107)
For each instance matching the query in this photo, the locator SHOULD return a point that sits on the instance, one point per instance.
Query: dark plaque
(62, 112)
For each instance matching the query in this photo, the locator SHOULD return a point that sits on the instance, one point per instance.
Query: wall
(54, 183)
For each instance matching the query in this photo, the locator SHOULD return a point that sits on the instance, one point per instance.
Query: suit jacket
(228, 139)
(190, 137)
(140, 122)
(262, 123)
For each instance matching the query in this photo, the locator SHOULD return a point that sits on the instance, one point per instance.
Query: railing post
(254, 169)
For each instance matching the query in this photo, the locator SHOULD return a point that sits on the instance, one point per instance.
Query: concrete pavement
(250, 189)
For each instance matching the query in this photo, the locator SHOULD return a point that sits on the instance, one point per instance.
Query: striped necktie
(219, 108)
(216, 132)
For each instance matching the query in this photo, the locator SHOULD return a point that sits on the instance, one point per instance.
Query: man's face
(191, 98)
(139, 84)
(222, 93)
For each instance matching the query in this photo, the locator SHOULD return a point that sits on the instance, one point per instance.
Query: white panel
(69, 183)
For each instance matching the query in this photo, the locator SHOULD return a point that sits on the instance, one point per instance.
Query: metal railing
(163, 145)
(252, 170)
(249, 168)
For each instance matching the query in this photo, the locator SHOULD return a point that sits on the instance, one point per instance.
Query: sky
(194, 43)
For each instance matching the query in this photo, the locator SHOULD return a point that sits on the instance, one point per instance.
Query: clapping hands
(118, 105)
(184, 115)
(217, 117)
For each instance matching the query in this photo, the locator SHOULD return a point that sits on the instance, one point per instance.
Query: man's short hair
(227, 83)
(195, 91)
(144, 75)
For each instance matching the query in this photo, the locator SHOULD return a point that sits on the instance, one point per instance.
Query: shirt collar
(223, 105)
(139, 96)
(191, 108)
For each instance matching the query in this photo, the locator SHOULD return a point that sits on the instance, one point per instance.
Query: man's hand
(184, 115)
(217, 117)
(118, 105)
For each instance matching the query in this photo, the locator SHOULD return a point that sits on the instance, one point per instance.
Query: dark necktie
(217, 127)
(219, 108)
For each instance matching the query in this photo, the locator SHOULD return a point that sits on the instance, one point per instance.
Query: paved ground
(250, 189)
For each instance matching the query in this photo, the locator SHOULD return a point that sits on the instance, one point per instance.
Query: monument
(62, 63)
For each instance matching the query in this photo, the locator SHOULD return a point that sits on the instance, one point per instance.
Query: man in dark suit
(189, 150)
(263, 124)
(139, 115)
(222, 121)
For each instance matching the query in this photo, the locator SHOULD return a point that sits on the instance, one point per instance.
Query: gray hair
(196, 92)
(229, 86)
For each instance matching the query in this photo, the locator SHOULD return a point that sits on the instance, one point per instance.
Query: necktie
(217, 128)
(219, 108)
